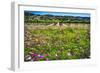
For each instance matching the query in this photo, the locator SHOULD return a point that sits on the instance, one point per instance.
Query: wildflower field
(51, 37)
(56, 43)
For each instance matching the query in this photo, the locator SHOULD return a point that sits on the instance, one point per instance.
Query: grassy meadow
(56, 42)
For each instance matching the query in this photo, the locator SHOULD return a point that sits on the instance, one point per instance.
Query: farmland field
(56, 42)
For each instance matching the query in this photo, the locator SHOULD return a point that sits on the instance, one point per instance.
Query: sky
(61, 13)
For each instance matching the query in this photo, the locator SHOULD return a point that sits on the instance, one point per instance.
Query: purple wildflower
(40, 56)
(34, 54)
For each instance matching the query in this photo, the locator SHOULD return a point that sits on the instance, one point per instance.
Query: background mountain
(47, 18)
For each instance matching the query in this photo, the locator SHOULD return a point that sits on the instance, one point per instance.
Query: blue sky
(62, 13)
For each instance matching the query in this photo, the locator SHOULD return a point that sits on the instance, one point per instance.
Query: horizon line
(60, 13)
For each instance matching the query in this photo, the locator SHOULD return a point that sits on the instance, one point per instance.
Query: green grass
(60, 43)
